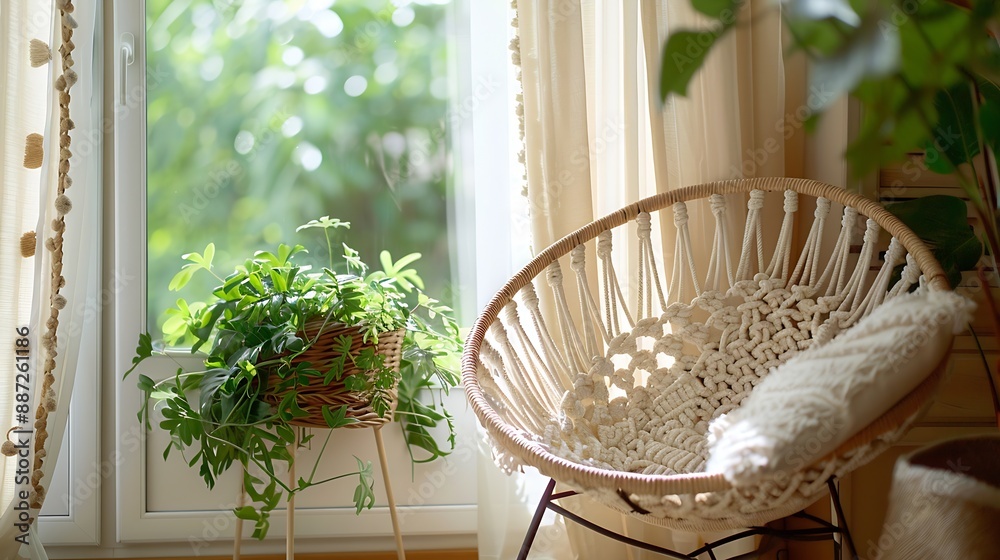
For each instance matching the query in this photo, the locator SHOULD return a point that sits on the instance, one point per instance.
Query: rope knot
(756, 200)
(578, 258)
(510, 312)
(529, 295)
(822, 208)
(911, 272)
(871, 233)
(850, 216)
(791, 202)
(499, 334)
(680, 214)
(643, 221)
(604, 244)
(553, 274)
(718, 204)
(894, 251)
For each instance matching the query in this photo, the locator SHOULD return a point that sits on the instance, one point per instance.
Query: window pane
(264, 114)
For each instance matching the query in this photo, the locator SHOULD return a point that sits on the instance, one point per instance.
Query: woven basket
(945, 503)
(321, 355)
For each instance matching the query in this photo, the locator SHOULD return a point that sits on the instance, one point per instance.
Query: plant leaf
(683, 54)
(871, 52)
(336, 419)
(821, 9)
(364, 494)
(326, 222)
(248, 513)
(989, 112)
(142, 351)
(717, 9)
(941, 221)
(955, 141)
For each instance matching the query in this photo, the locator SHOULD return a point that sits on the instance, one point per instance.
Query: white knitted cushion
(811, 404)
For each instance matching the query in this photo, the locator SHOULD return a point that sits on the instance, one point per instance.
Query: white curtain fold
(596, 137)
(57, 293)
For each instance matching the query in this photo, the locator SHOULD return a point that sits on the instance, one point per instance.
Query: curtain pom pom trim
(33, 150)
(39, 53)
(28, 242)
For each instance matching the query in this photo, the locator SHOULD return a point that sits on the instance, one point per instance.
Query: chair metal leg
(536, 521)
(824, 530)
(841, 520)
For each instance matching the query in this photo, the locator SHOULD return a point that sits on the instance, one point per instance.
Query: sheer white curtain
(46, 48)
(596, 137)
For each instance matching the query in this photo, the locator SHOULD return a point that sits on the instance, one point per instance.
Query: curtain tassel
(33, 151)
(39, 53)
(28, 241)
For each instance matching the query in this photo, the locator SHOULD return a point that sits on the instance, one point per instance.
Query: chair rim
(533, 454)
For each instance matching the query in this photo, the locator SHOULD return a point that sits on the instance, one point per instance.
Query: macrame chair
(533, 382)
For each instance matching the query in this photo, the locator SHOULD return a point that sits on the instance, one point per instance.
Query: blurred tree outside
(268, 113)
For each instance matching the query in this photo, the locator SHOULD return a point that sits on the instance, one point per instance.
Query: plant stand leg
(290, 518)
(238, 538)
(388, 492)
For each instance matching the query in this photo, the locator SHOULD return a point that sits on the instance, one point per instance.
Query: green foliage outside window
(264, 113)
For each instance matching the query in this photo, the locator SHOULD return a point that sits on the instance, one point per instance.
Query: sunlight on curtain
(53, 295)
(23, 111)
(597, 137)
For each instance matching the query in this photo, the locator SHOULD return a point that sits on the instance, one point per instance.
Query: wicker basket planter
(321, 355)
(286, 351)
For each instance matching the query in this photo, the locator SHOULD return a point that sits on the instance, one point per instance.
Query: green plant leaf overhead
(812, 10)
(955, 139)
(683, 55)
(874, 51)
(989, 112)
(717, 9)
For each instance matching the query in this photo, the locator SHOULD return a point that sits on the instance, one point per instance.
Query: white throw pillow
(817, 400)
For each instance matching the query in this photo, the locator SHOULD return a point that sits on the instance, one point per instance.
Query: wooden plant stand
(290, 519)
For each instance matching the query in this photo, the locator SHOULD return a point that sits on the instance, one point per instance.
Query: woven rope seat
(603, 361)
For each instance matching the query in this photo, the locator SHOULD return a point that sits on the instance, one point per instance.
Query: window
(237, 121)
(264, 114)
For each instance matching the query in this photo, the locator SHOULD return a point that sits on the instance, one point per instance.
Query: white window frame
(72, 511)
(483, 118)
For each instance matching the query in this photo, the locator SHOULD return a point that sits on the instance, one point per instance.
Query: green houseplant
(926, 74)
(287, 348)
